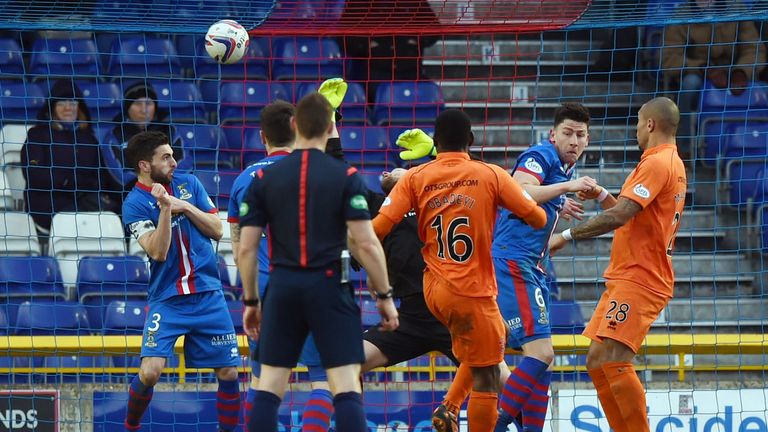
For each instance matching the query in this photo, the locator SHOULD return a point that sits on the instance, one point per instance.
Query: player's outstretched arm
(615, 217)
(600, 194)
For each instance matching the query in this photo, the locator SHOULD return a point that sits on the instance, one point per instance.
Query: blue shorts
(204, 321)
(310, 358)
(523, 301)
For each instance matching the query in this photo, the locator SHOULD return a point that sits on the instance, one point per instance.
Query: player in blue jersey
(174, 221)
(278, 138)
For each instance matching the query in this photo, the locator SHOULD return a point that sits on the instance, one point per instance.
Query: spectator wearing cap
(62, 161)
(140, 114)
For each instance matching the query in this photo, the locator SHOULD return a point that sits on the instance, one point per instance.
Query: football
(226, 41)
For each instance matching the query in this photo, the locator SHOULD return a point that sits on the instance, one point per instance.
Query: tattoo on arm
(235, 232)
(607, 221)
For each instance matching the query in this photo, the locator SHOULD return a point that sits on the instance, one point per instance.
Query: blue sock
(228, 404)
(317, 411)
(139, 397)
(249, 403)
(264, 412)
(518, 387)
(349, 412)
(535, 408)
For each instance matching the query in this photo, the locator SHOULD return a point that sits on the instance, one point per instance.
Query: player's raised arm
(515, 199)
(155, 240)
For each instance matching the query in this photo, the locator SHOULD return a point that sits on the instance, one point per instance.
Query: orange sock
(459, 390)
(483, 411)
(629, 394)
(607, 401)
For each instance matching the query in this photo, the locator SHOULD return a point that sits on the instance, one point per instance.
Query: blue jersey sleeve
(355, 201)
(534, 163)
(203, 201)
(252, 211)
(137, 219)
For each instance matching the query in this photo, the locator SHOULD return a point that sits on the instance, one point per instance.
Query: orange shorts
(625, 314)
(475, 323)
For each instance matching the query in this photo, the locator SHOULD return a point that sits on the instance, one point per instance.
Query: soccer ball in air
(226, 41)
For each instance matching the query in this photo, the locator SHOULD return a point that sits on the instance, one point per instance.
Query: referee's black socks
(350, 416)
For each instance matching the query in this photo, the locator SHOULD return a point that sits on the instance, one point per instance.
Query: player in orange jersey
(456, 200)
(639, 278)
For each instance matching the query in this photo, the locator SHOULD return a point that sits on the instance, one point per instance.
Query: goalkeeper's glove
(417, 144)
(334, 90)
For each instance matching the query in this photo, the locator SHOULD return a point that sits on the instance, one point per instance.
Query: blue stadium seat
(763, 215)
(104, 100)
(102, 280)
(3, 322)
(236, 312)
(310, 11)
(366, 147)
(720, 108)
(369, 314)
(566, 318)
(744, 178)
(182, 99)
(353, 107)
(11, 61)
(20, 102)
(26, 277)
(143, 57)
(253, 148)
(243, 101)
(125, 317)
(230, 291)
(204, 146)
(372, 180)
(748, 140)
(307, 58)
(407, 103)
(79, 362)
(64, 57)
(218, 184)
(253, 66)
(43, 317)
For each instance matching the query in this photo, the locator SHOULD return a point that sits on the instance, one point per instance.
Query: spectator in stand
(729, 54)
(140, 114)
(62, 162)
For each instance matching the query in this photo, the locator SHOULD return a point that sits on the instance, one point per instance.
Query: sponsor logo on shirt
(233, 352)
(386, 202)
(641, 191)
(225, 339)
(244, 209)
(533, 166)
(358, 202)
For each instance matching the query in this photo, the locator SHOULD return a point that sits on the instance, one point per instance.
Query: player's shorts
(299, 301)
(309, 357)
(204, 321)
(419, 333)
(476, 327)
(625, 313)
(523, 301)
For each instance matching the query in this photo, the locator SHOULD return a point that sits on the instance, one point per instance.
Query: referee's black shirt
(305, 200)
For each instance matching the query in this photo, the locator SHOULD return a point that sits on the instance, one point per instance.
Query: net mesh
(507, 64)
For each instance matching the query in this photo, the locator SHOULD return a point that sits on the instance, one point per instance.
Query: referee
(309, 201)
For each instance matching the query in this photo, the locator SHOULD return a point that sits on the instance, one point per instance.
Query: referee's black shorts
(299, 301)
(419, 332)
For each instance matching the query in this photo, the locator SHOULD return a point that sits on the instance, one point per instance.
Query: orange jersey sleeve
(642, 248)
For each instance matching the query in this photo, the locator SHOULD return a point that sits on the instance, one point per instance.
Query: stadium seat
(748, 140)
(104, 100)
(719, 108)
(64, 58)
(182, 99)
(48, 317)
(407, 103)
(236, 312)
(369, 314)
(12, 138)
(367, 148)
(353, 107)
(18, 235)
(3, 322)
(230, 292)
(11, 61)
(76, 235)
(27, 277)
(308, 58)
(253, 66)
(744, 179)
(20, 102)
(125, 317)
(78, 362)
(218, 184)
(310, 11)
(243, 101)
(205, 147)
(143, 57)
(763, 224)
(372, 180)
(101, 280)
(7, 203)
(566, 318)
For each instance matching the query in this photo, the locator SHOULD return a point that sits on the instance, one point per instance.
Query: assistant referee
(309, 201)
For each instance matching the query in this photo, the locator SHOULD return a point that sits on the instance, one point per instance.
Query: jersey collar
(659, 148)
(279, 153)
(453, 155)
(143, 187)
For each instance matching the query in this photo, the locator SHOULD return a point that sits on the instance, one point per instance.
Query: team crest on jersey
(244, 209)
(533, 166)
(150, 342)
(183, 192)
(641, 191)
